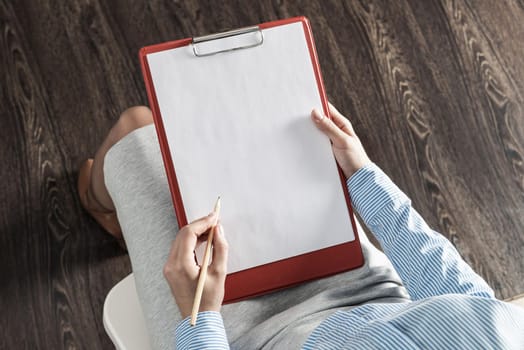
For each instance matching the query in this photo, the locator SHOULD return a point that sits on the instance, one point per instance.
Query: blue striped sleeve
(426, 261)
(207, 333)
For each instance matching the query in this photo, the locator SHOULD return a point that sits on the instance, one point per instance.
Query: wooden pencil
(203, 269)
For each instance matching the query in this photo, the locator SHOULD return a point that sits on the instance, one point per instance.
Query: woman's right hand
(348, 149)
(182, 272)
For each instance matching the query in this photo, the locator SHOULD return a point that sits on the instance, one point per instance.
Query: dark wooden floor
(435, 88)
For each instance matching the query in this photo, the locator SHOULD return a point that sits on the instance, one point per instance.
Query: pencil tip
(217, 205)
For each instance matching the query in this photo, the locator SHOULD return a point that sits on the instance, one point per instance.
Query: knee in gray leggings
(131, 119)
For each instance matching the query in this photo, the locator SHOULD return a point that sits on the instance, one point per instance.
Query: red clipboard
(279, 274)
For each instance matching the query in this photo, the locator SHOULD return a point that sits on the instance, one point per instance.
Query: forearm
(207, 333)
(425, 260)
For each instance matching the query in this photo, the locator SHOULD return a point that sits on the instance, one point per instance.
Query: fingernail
(221, 230)
(317, 116)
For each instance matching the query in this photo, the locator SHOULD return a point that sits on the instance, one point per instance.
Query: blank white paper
(238, 125)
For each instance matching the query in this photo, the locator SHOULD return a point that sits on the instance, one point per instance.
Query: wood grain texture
(434, 88)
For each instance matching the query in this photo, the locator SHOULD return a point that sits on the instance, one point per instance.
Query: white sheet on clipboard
(238, 125)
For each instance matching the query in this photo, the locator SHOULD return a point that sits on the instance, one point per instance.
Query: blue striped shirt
(451, 308)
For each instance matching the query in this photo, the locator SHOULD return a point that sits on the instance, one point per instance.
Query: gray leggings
(136, 180)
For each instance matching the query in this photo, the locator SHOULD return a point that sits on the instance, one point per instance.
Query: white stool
(123, 318)
(124, 322)
(517, 300)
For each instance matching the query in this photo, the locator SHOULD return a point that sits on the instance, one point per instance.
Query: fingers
(187, 239)
(342, 122)
(328, 127)
(200, 226)
(220, 251)
(197, 228)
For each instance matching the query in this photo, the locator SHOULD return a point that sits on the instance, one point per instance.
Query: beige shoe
(106, 218)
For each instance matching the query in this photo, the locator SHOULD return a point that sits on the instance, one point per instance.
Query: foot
(106, 218)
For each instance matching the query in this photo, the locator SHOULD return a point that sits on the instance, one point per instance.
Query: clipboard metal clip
(252, 40)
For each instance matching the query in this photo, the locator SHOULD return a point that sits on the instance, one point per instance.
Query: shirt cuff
(207, 333)
(371, 190)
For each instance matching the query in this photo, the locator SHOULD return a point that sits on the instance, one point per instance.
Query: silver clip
(230, 33)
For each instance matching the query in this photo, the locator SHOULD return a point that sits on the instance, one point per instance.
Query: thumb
(330, 129)
(220, 251)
